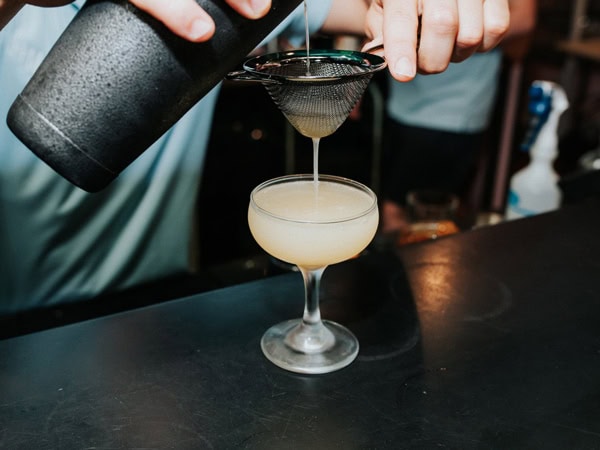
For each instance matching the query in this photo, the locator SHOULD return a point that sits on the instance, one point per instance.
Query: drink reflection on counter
(431, 214)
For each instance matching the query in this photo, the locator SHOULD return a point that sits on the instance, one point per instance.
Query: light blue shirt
(59, 243)
(459, 100)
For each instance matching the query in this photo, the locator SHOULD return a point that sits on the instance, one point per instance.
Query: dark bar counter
(489, 339)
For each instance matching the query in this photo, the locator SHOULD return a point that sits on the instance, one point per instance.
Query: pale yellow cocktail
(313, 225)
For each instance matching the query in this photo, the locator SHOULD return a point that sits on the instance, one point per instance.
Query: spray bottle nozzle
(540, 106)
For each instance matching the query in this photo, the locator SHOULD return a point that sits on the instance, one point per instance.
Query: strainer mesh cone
(316, 95)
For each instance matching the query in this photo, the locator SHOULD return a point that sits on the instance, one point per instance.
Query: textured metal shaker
(117, 79)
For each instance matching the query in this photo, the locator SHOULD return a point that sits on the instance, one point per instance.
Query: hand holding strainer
(316, 92)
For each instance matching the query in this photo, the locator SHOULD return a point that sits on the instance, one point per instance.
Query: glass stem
(312, 284)
(311, 335)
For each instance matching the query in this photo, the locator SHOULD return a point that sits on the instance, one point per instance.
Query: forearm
(346, 17)
(8, 9)
(523, 17)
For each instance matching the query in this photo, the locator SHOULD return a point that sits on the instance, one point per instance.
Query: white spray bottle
(534, 189)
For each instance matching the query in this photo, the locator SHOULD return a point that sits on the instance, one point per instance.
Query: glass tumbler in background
(432, 214)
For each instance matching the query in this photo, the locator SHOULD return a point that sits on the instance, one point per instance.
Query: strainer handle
(242, 75)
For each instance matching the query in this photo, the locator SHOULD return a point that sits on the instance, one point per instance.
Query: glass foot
(340, 347)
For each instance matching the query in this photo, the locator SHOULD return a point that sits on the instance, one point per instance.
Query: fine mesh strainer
(315, 93)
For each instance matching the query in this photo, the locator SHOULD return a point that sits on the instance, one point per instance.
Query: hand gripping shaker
(117, 79)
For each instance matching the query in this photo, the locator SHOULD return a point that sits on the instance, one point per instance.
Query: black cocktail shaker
(117, 79)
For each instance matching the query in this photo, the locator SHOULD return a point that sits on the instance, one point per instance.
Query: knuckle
(469, 39)
(444, 21)
(496, 27)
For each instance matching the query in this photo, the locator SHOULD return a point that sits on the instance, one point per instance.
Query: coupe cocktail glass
(312, 223)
